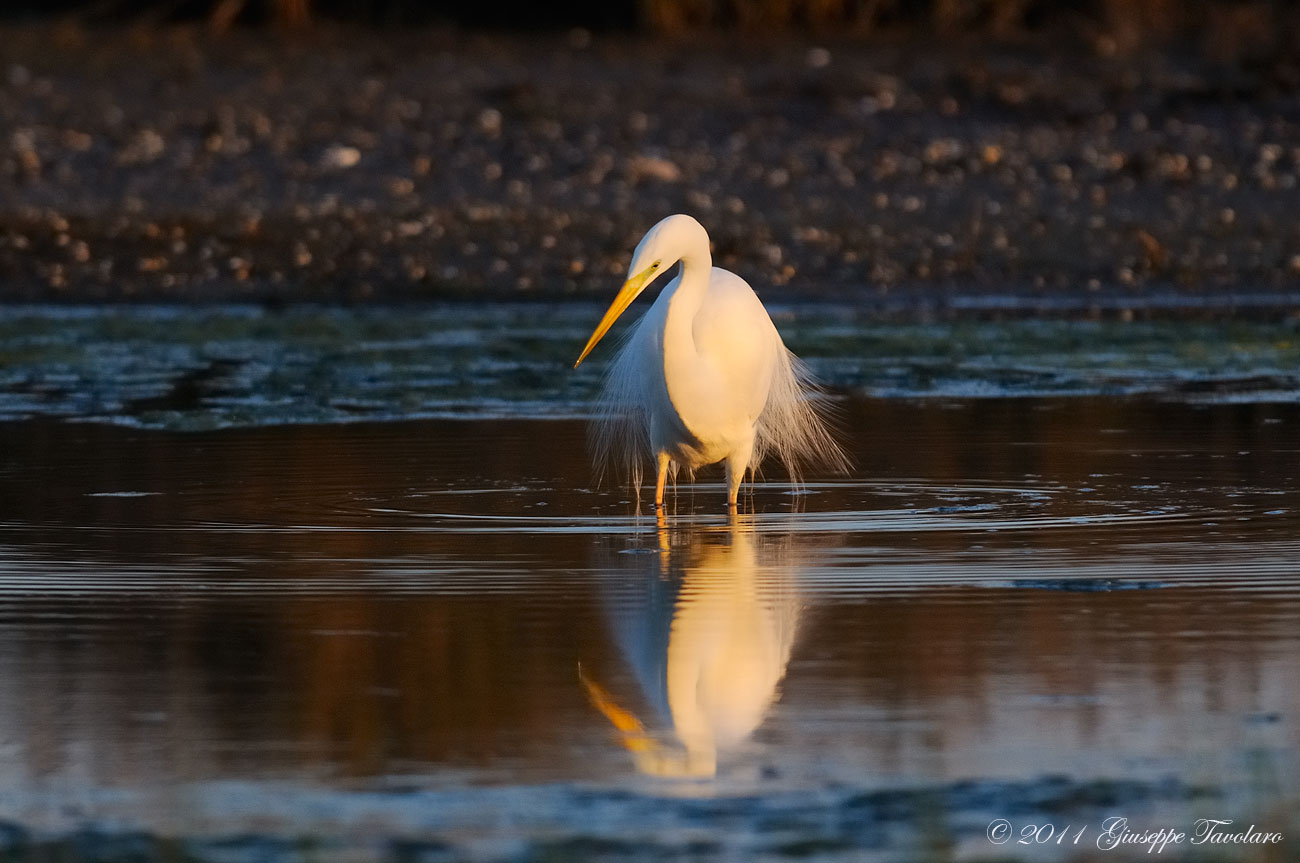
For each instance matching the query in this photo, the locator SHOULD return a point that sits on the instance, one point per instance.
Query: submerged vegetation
(229, 366)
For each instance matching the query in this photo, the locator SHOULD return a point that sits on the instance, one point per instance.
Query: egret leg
(663, 477)
(737, 464)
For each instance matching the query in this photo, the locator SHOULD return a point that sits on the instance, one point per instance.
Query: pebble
(506, 164)
(339, 156)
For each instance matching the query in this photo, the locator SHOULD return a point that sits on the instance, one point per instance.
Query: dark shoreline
(170, 166)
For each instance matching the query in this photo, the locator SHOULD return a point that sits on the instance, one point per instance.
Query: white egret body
(704, 376)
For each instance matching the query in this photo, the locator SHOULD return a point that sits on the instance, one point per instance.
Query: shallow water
(287, 637)
(218, 367)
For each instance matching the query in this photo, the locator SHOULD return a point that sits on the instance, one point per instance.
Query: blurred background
(301, 557)
(1124, 21)
(1121, 154)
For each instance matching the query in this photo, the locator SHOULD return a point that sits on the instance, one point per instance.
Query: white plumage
(704, 376)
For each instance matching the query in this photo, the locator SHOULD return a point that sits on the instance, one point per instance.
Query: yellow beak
(631, 288)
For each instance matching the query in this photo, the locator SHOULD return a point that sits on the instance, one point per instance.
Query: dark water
(436, 639)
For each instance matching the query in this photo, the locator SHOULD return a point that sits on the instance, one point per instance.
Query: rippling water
(233, 627)
(180, 368)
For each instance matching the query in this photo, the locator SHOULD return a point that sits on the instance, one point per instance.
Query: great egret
(704, 376)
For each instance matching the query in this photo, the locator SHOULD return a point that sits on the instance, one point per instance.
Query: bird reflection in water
(707, 624)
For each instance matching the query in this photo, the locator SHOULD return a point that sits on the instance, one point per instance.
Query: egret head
(676, 238)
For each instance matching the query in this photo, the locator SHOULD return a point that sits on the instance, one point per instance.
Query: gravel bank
(167, 165)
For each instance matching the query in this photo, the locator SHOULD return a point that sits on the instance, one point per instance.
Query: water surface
(223, 366)
(233, 627)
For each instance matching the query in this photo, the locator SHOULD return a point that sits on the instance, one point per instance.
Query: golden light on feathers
(704, 376)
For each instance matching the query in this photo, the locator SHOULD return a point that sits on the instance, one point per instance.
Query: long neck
(693, 283)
